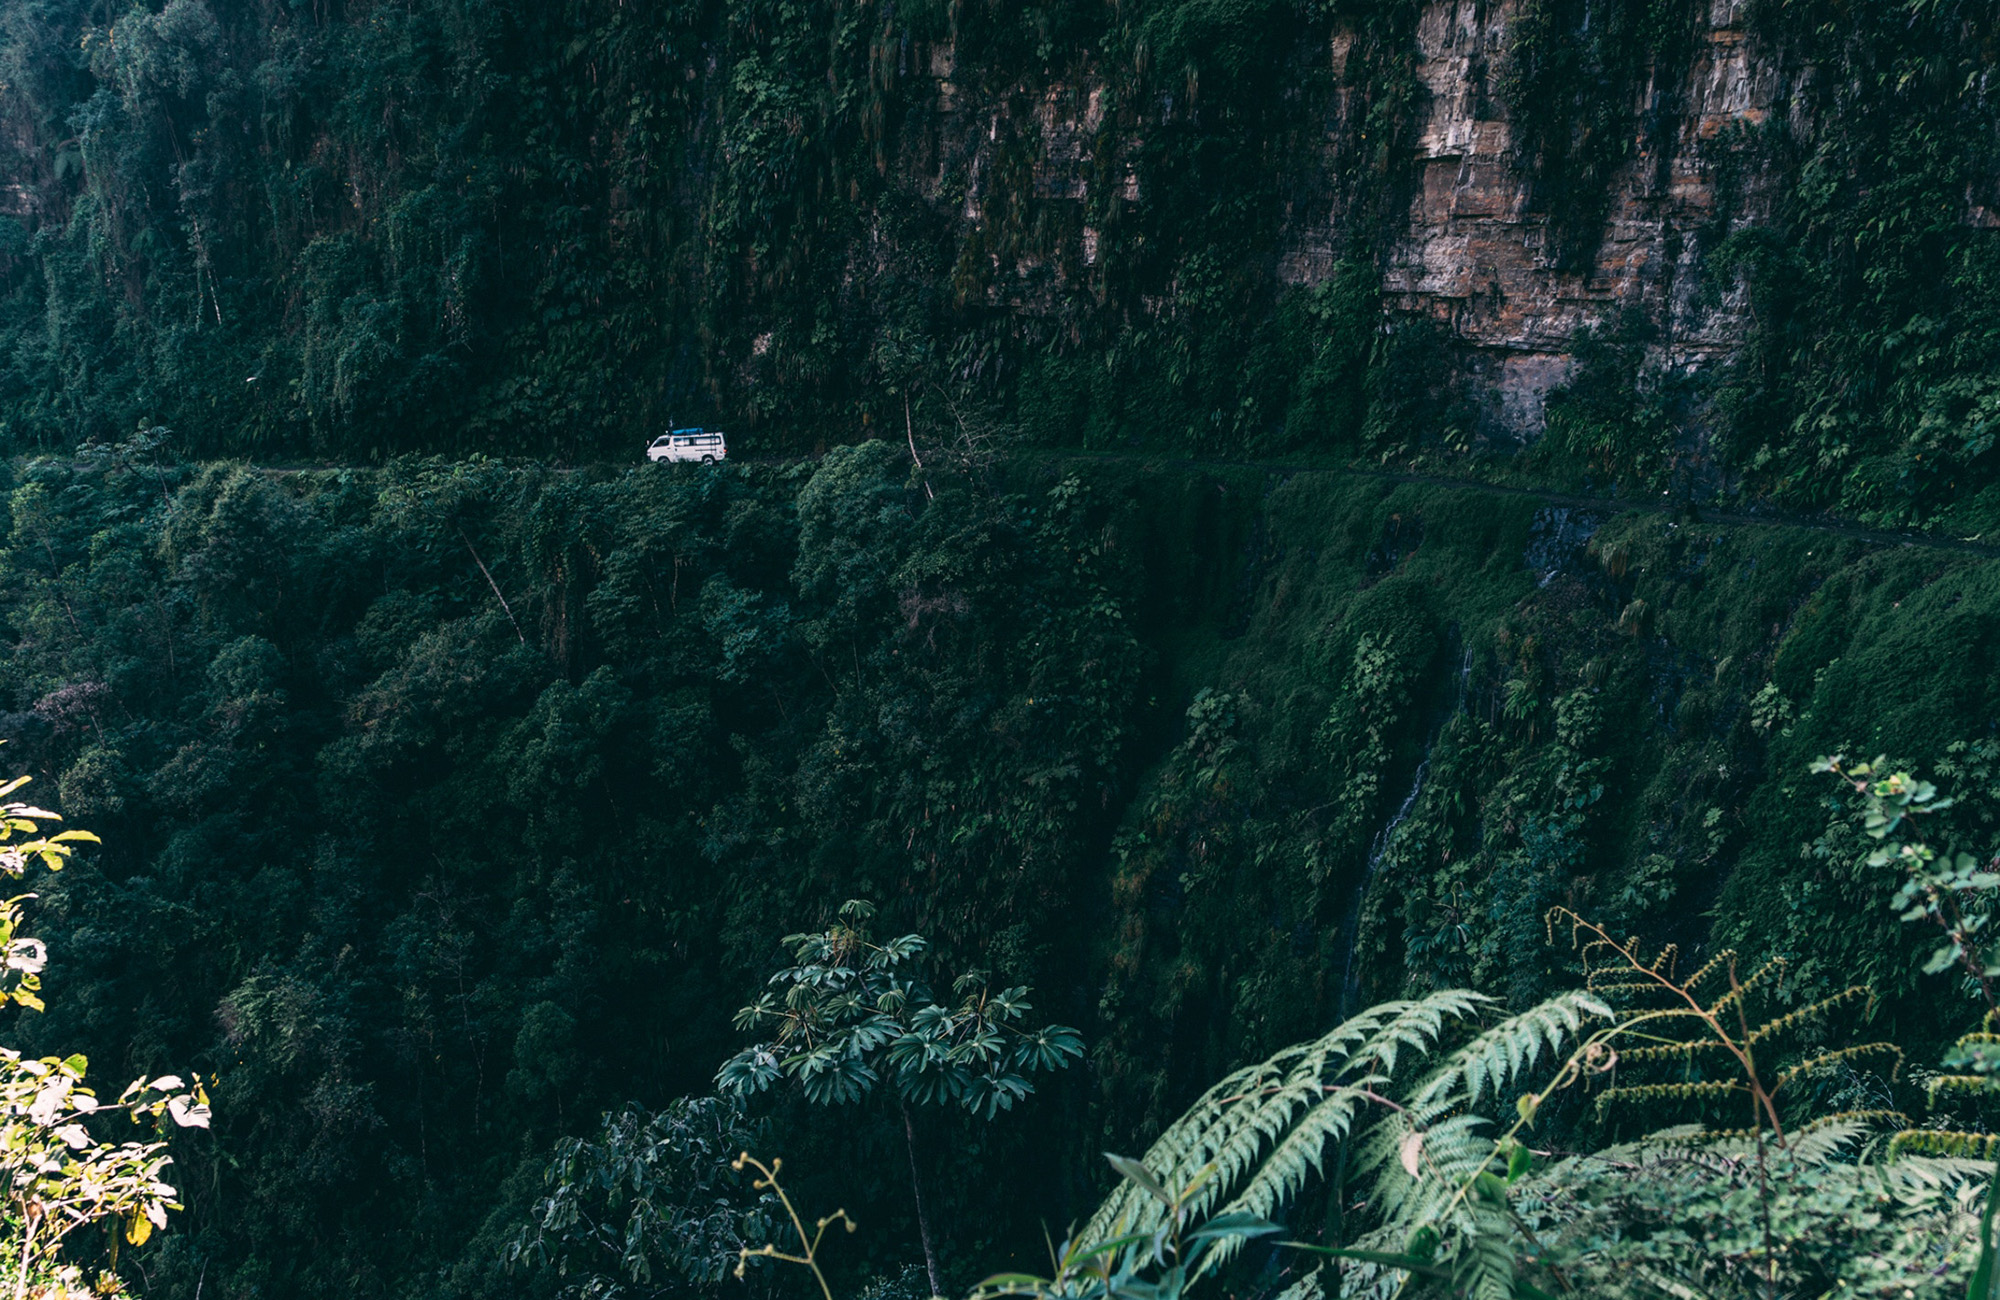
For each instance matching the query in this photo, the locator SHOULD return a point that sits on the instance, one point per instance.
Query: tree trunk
(917, 1190)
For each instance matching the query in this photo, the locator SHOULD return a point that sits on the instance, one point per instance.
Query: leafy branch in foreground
(1455, 1204)
(1700, 1045)
(1454, 1201)
(1957, 894)
(1954, 892)
(58, 1176)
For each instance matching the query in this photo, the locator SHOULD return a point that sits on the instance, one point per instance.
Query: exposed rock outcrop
(1474, 252)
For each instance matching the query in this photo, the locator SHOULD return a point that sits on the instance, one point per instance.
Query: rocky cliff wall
(1470, 249)
(1377, 229)
(1474, 255)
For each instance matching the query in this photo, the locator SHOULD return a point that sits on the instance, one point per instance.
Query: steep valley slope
(447, 804)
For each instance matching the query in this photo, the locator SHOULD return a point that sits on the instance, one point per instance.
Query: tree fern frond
(1453, 1149)
(1775, 966)
(1811, 1013)
(1421, 1160)
(1929, 1182)
(1940, 1142)
(1638, 1055)
(1714, 1089)
(1722, 961)
(1297, 1155)
(1856, 1052)
(1447, 1155)
(1819, 1142)
(1485, 1264)
(1418, 1025)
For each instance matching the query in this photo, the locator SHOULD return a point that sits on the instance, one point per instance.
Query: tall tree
(852, 1013)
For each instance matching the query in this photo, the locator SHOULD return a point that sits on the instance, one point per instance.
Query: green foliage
(1389, 665)
(1451, 1210)
(1609, 426)
(1454, 1212)
(649, 1208)
(851, 1012)
(426, 893)
(1954, 892)
(1677, 1213)
(446, 801)
(359, 234)
(1866, 385)
(435, 229)
(1248, 1146)
(363, 233)
(431, 870)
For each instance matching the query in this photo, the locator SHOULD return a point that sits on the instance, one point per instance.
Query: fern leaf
(1711, 968)
(1818, 1143)
(1859, 1051)
(1958, 1085)
(1270, 1122)
(1855, 1121)
(1939, 1142)
(1495, 1058)
(1711, 1090)
(1811, 1013)
(1770, 969)
(1685, 1051)
(1485, 1266)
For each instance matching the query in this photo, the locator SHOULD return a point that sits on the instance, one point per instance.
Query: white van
(704, 445)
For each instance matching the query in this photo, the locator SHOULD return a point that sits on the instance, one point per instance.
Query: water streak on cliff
(1350, 924)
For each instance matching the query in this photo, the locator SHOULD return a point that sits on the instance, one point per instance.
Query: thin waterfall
(1350, 924)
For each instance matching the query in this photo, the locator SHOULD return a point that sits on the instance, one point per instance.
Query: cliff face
(1474, 254)
(1470, 250)
(1370, 228)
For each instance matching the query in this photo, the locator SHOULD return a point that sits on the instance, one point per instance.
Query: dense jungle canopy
(1129, 574)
